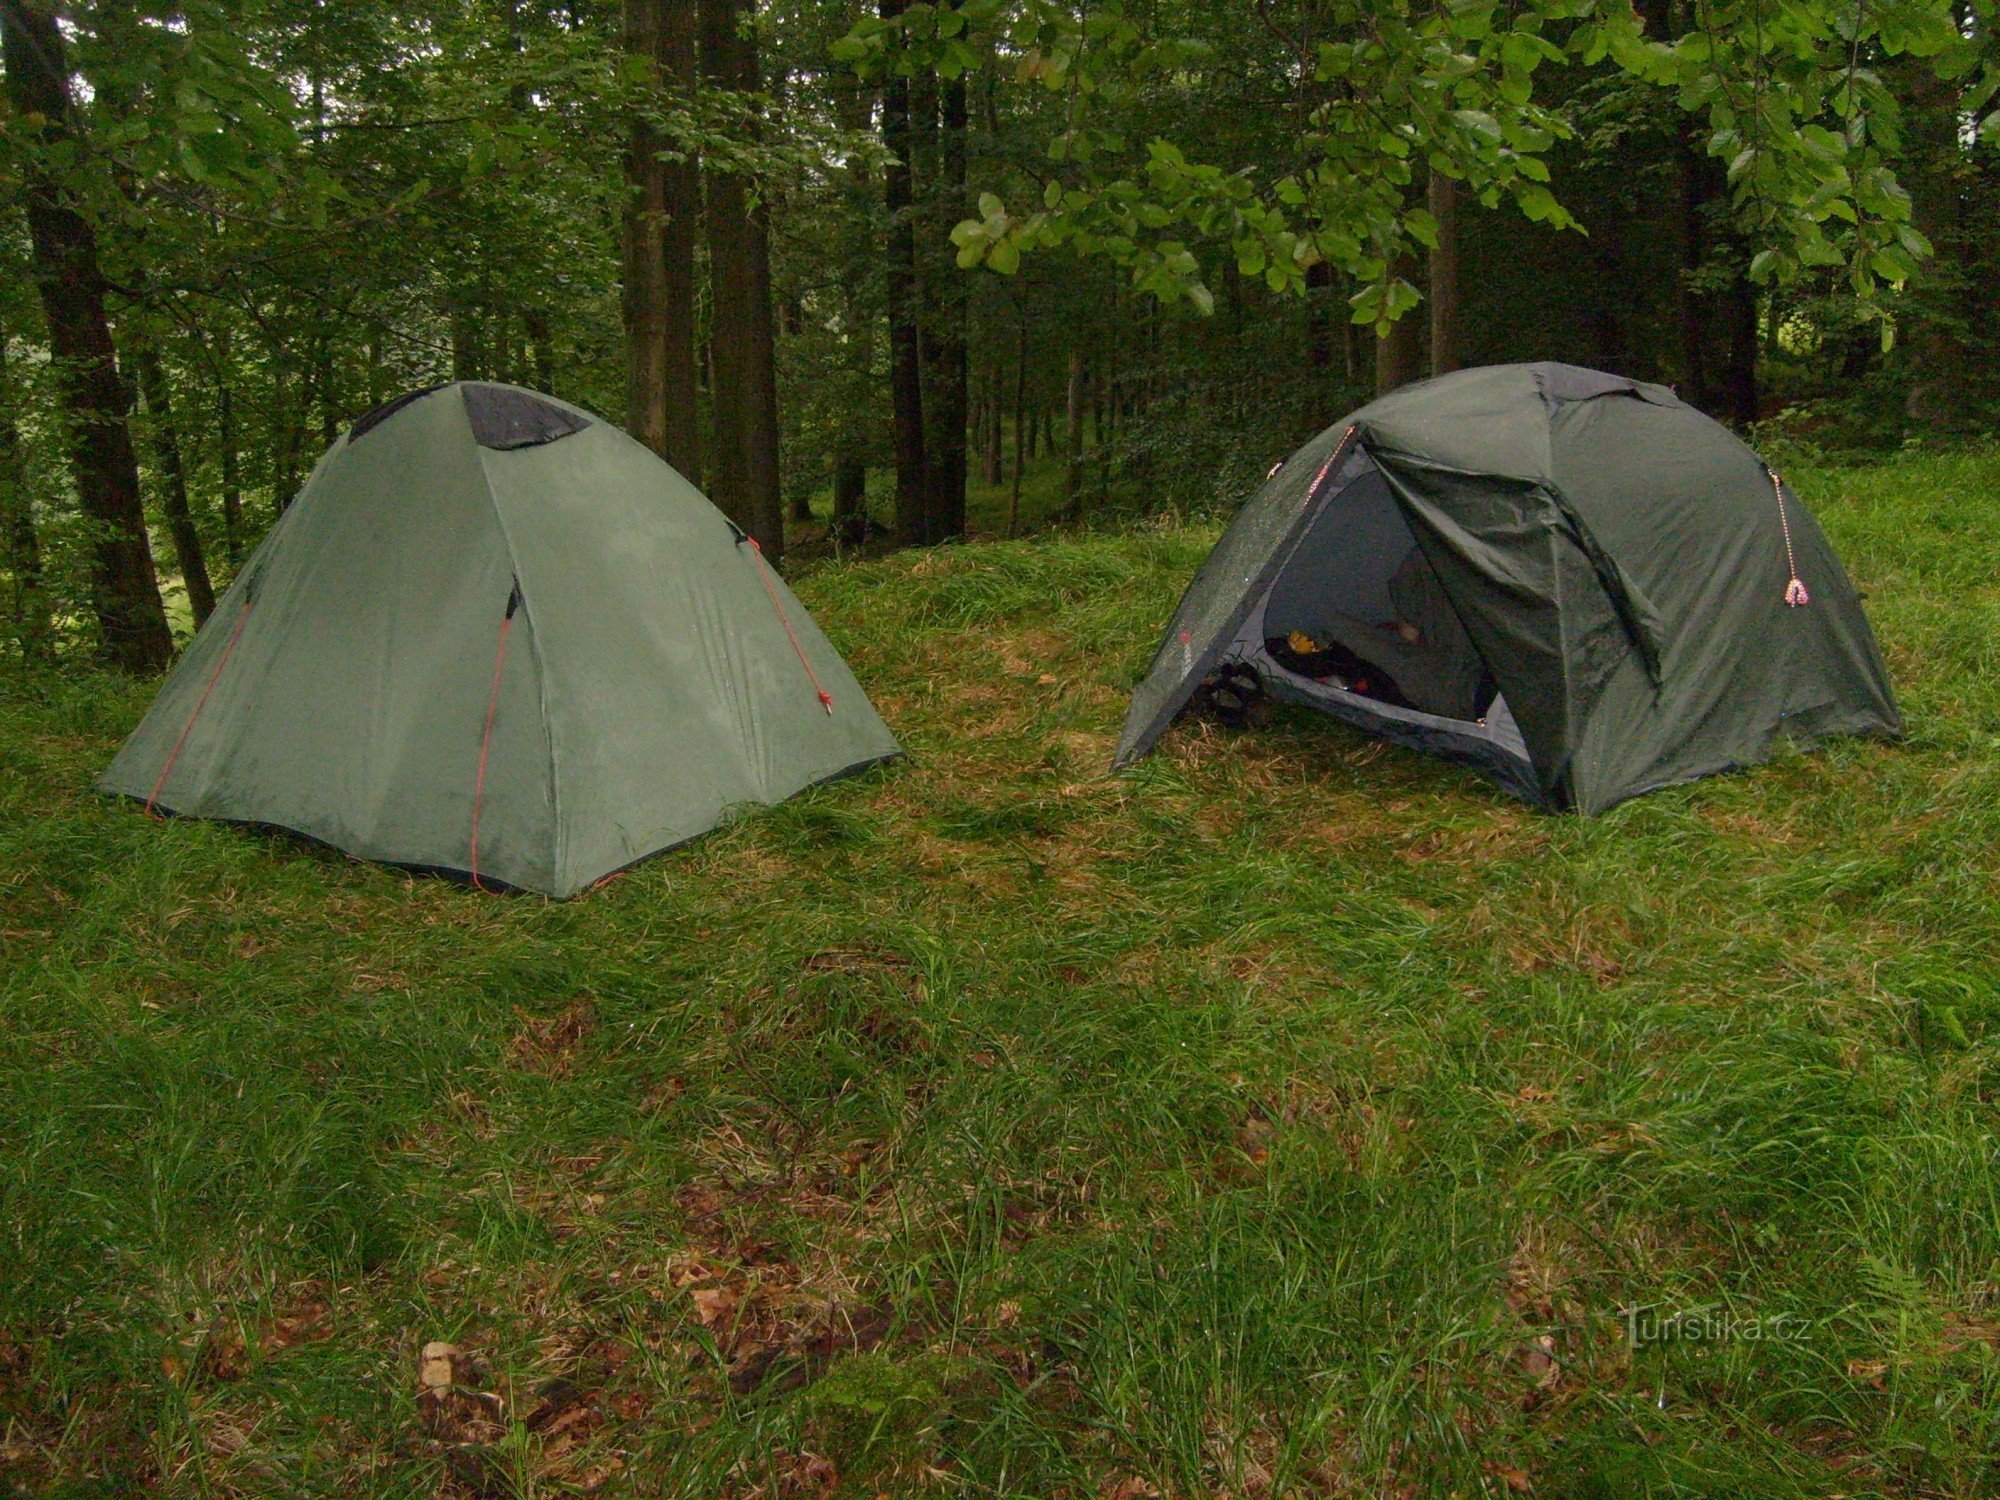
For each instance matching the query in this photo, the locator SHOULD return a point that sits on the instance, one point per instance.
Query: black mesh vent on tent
(504, 418)
(367, 421)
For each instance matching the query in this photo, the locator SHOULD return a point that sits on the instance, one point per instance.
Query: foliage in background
(305, 210)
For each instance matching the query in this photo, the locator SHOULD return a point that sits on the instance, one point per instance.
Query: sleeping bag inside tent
(1575, 582)
(495, 636)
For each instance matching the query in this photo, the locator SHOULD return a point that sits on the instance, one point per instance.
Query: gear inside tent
(1572, 581)
(495, 636)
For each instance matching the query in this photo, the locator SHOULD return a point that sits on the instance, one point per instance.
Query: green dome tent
(496, 636)
(1572, 581)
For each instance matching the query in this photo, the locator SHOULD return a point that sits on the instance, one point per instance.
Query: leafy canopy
(1387, 91)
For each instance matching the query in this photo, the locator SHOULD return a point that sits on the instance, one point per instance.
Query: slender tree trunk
(1321, 310)
(289, 400)
(467, 357)
(232, 462)
(1610, 342)
(1692, 171)
(513, 351)
(906, 382)
(166, 445)
(743, 342)
(1444, 276)
(1079, 375)
(645, 224)
(850, 498)
(854, 434)
(1943, 307)
(680, 183)
(1399, 357)
(378, 373)
(1740, 309)
(996, 458)
(20, 545)
(541, 353)
(945, 327)
(71, 284)
(1020, 421)
(326, 387)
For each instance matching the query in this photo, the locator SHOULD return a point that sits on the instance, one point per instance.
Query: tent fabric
(356, 683)
(373, 418)
(1616, 561)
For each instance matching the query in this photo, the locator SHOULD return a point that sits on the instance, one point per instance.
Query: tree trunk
(1020, 422)
(644, 301)
(743, 344)
(1444, 276)
(232, 467)
(287, 439)
(71, 284)
(20, 546)
(467, 358)
(326, 388)
(541, 351)
(378, 374)
(681, 199)
(1741, 311)
(945, 326)
(1079, 375)
(1605, 317)
(229, 446)
(850, 498)
(166, 444)
(1692, 171)
(1943, 305)
(906, 383)
(996, 458)
(1321, 310)
(1399, 356)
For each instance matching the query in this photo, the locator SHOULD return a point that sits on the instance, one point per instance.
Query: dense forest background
(886, 274)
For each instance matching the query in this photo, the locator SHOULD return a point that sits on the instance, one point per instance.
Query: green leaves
(993, 238)
(1807, 131)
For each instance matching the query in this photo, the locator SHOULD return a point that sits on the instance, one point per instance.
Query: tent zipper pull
(1795, 589)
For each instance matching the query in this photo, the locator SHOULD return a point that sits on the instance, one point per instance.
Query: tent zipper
(486, 736)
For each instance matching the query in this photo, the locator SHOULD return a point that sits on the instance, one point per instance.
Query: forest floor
(1292, 1114)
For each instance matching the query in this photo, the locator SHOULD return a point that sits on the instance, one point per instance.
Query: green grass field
(1292, 1115)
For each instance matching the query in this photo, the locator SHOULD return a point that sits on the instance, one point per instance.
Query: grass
(1293, 1115)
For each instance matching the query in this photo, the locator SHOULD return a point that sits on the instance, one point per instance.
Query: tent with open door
(496, 636)
(1573, 581)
